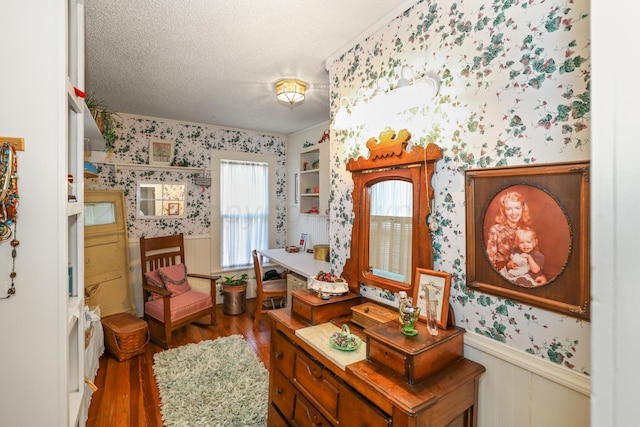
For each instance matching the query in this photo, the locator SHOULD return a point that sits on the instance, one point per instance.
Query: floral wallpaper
(514, 89)
(193, 144)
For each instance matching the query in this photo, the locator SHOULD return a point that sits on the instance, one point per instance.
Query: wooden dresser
(308, 387)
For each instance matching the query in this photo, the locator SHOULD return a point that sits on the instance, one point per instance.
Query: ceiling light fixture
(290, 90)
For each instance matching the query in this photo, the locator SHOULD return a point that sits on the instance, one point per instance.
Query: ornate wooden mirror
(392, 198)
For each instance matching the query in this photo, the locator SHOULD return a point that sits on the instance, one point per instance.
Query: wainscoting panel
(522, 390)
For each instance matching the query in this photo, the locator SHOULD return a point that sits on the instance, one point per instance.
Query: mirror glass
(160, 199)
(99, 213)
(391, 229)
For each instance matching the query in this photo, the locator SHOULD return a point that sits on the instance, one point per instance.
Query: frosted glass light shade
(290, 90)
(342, 119)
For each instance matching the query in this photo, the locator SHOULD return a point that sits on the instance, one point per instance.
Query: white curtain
(244, 211)
(401, 192)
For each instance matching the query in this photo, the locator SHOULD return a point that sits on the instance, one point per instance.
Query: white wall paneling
(522, 390)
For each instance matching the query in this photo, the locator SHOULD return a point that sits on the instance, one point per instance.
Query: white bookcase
(313, 185)
(71, 277)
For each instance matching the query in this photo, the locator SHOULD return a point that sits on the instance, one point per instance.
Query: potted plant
(104, 118)
(234, 291)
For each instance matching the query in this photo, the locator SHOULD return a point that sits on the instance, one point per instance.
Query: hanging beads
(9, 206)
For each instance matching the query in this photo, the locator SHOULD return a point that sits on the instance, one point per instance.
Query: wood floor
(127, 394)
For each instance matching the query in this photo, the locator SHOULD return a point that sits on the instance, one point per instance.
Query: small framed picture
(432, 285)
(161, 153)
(173, 208)
(303, 242)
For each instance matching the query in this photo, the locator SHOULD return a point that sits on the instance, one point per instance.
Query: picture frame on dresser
(527, 234)
(161, 153)
(435, 284)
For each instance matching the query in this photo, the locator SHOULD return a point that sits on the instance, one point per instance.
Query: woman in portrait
(513, 214)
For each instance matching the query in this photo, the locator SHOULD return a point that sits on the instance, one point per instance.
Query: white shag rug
(212, 383)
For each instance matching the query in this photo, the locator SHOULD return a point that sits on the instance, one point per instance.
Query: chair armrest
(203, 276)
(156, 290)
(212, 282)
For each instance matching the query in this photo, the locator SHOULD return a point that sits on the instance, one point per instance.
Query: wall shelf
(313, 182)
(131, 166)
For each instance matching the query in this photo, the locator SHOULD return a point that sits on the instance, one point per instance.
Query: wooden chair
(165, 309)
(269, 289)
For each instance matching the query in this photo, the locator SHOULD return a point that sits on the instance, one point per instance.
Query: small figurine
(408, 315)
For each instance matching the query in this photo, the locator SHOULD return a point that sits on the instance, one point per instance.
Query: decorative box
(414, 358)
(306, 305)
(371, 314)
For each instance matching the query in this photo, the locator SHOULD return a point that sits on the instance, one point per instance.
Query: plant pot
(234, 299)
(99, 121)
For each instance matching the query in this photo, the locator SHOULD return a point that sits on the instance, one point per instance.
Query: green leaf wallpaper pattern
(192, 144)
(514, 90)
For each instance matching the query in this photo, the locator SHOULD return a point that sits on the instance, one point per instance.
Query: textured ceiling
(216, 62)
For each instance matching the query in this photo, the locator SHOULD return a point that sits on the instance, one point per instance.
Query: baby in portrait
(525, 263)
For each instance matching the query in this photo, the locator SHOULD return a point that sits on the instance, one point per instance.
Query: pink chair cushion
(154, 279)
(174, 278)
(181, 305)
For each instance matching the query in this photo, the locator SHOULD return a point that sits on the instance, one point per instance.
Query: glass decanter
(408, 315)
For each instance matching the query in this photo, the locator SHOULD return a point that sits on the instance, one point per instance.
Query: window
(245, 212)
(160, 199)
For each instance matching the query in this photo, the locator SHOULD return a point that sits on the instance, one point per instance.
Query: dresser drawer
(340, 404)
(387, 357)
(415, 359)
(275, 418)
(282, 353)
(317, 383)
(292, 405)
(307, 306)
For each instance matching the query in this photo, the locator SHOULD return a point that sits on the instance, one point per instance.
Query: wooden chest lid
(376, 312)
(123, 323)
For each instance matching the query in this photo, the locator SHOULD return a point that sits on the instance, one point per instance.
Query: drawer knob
(278, 355)
(278, 391)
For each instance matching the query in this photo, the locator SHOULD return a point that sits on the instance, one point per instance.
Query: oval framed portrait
(527, 236)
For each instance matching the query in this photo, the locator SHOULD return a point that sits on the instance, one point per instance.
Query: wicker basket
(125, 335)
